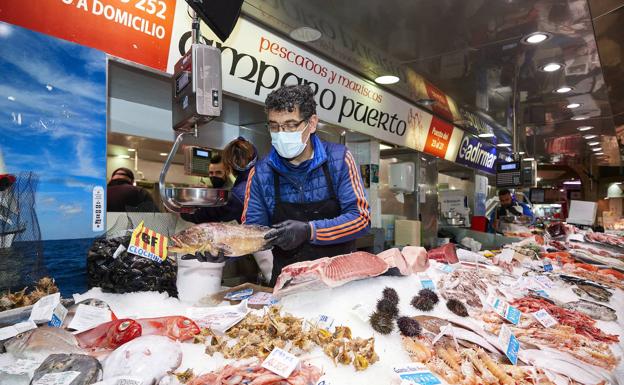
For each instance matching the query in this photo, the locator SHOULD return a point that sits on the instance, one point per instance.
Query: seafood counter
(545, 310)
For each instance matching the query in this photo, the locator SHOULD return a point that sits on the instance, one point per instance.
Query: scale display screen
(182, 81)
(508, 174)
(197, 160)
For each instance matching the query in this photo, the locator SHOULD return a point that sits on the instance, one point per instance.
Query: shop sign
(136, 30)
(256, 61)
(477, 122)
(148, 244)
(438, 137)
(441, 105)
(476, 154)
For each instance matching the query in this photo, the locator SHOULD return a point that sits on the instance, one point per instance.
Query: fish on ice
(41, 342)
(89, 368)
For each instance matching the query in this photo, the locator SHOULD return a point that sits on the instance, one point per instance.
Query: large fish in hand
(215, 238)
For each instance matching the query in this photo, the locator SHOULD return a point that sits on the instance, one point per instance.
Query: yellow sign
(148, 243)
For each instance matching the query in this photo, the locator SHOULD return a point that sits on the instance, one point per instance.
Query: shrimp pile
(581, 323)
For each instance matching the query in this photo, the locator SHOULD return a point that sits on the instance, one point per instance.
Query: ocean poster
(53, 142)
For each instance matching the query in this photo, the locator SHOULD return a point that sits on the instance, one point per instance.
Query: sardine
(229, 239)
(90, 302)
(593, 292)
(110, 335)
(89, 368)
(592, 309)
(148, 358)
(41, 342)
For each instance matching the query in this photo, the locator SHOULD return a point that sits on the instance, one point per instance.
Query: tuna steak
(89, 368)
(231, 239)
(328, 272)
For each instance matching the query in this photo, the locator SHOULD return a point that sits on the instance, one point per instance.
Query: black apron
(306, 212)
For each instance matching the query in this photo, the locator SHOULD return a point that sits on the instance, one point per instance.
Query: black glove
(288, 234)
(206, 257)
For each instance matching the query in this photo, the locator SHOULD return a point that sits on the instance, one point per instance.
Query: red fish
(175, 327)
(110, 335)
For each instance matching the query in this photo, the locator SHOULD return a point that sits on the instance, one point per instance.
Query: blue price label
(513, 315)
(427, 284)
(55, 321)
(512, 349)
(423, 378)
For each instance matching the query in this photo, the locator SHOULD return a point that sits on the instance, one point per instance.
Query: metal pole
(195, 32)
(514, 109)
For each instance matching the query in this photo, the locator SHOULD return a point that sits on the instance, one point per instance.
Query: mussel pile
(127, 273)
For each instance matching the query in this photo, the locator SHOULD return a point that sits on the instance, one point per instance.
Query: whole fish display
(587, 291)
(175, 327)
(110, 335)
(40, 342)
(229, 239)
(89, 368)
(148, 358)
(71, 312)
(592, 309)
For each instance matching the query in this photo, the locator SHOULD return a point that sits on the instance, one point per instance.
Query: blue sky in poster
(53, 122)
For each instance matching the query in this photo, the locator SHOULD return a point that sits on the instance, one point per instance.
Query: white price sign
(545, 318)
(281, 362)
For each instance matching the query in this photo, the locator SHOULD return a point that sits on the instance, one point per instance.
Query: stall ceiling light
(124, 156)
(520, 152)
(551, 67)
(305, 34)
(387, 79)
(163, 154)
(504, 145)
(597, 149)
(593, 143)
(573, 105)
(575, 182)
(599, 153)
(536, 38)
(529, 159)
(486, 135)
(584, 128)
(561, 190)
(580, 117)
(563, 90)
(590, 136)
(131, 150)
(385, 147)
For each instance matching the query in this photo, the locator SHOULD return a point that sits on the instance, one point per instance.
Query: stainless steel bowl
(197, 196)
(456, 222)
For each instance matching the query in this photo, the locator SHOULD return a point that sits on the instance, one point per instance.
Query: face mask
(217, 182)
(288, 144)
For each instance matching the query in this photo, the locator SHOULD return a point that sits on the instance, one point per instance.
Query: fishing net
(113, 269)
(21, 248)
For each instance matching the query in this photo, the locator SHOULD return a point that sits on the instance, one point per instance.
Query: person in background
(239, 156)
(309, 190)
(508, 206)
(122, 195)
(217, 171)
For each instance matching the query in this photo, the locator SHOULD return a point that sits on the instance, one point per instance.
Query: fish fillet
(328, 272)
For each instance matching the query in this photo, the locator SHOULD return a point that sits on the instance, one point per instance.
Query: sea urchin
(409, 327)
(391, 295)
(381, 322)
(430, 294)
(423, 302)
(386, 306)
(457, 307)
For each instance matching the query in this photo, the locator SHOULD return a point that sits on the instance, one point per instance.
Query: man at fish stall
(509, 207)
(310, 191)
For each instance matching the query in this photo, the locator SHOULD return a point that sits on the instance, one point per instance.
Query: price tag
(445, 268)
(416, 374)
(262, 298)
(281, 362)
(426, 282)
(545, 318)
(324, 321)
(20, 367)
(63, 378)
(239, 295)
(509, 343)
(546, 282)
(88, 317)
(59, 314)
(504, 309)
(148, 244)
(120, 249)
(547, 264)
(13, 330)
(541, 293)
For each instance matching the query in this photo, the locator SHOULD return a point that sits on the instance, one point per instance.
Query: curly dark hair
(287, 98)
